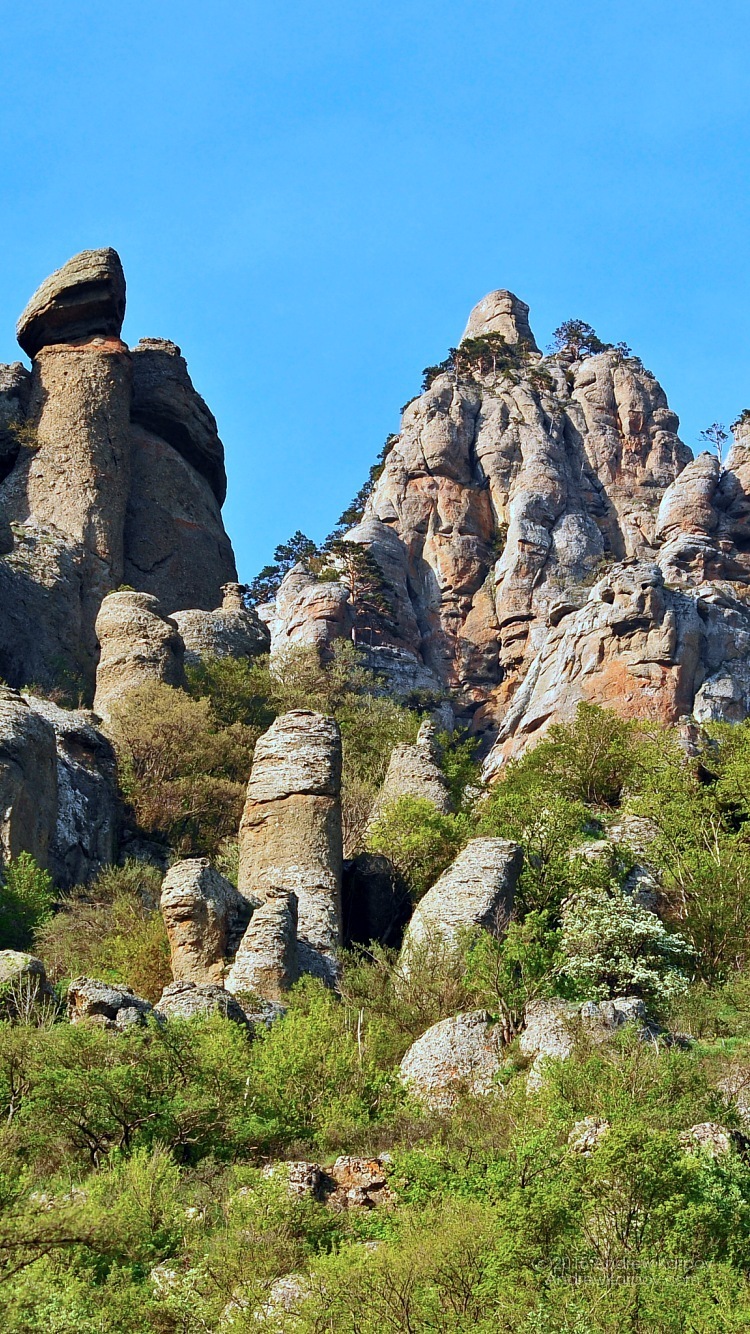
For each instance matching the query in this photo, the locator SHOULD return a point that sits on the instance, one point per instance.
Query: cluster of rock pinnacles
(544, 536)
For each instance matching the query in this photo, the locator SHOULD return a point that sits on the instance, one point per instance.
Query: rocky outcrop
(477, 890)
(82, 300)
(290, 834)
(111, 471)
(138, 644)
(28, 780)
(266, 963)
(231, 631)
(455, 1057)
(88, 818)
(186, 1000)
(107, 1007)
(23, 982)
(502, 313)
(413, 771)
(714, 1140)
(587, 1135)
(552, 1027)
(205, 919)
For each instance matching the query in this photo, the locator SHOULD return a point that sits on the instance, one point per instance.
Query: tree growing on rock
(714, 439)
(369, 590)
(578, 337)
(266, 584)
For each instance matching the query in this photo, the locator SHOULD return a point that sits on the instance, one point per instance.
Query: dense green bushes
(26, 898)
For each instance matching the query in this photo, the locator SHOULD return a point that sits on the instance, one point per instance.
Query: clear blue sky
(309, 198)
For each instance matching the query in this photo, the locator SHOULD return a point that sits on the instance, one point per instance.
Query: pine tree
(368, 588)
(266, 584)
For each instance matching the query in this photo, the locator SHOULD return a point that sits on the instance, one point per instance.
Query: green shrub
(26, 898)
(418, 840)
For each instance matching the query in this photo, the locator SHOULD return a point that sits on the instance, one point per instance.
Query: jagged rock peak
(83, 299)
(501, 312)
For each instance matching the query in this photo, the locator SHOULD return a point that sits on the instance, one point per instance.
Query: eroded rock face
(28, 780)
(290, 834)
(554, 1025)
(454, 1057)
(138, 644)
(477, 890)
(231, 631)
(166, 404)
(187, 1000)
(205, 918)
(89, 812)
(82, 300)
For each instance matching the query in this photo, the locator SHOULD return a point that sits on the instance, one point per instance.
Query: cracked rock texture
(456, 1056)
(231, 631)
(532, 518)
(477, 890)
(28, 780)
(266, 963)
(205, 919)
(138, 644)
(290, 834)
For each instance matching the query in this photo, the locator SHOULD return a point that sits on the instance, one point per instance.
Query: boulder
(290, 834)
(107, 1007)
(185, 1000)
(205, 918)
(714, 1140)
(23, 983)
(28, 780)
(304, 1180)
(82, 300)
(232, 631)
(456, 1056)
(138, 644)
(477, 890)
(266, 962)
(553, 1026)
(359, 1183)
(88, 802)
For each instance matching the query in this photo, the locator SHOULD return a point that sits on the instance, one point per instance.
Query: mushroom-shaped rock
(503, 313)
(185, 1000)
(290, 834)
(232, 631)
(266, 962)
(166, 404)
(28, 779)
(456, 1056)
(82, 300)
(205, 918)
(477, 890)
(138, 644)
(108, 1007)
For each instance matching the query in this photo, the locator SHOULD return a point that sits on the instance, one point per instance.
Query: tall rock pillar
(290, 835)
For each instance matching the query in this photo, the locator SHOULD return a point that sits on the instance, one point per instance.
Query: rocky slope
(546, 538)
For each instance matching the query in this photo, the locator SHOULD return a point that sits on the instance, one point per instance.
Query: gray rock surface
(477, 890)
(413, 771)
(83, 299)
(266, 963)
(456, 1056)
(89, 811)
(231, 631)
(553, 1027)
(138, 644)
(501, 312)
(108, 1007)
(205, 919)
(28, 780)
(290, 834)
(186, 1000)
(166, 405)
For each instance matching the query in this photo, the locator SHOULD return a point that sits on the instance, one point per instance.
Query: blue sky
(310, 198)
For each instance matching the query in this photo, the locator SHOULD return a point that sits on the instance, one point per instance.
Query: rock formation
(231, 631)
(28, 779)
(205, 918)
(186, 1000)
(266, 962)
(290, 835)
(456, 1056)
(477, 890)
(536, 512)
(107, 1007)
(413, 771)
(138, 644)
(111, 470)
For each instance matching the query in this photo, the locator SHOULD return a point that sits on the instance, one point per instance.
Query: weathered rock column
(266, 963)
(28, 779)
(290, 835)
(138, 644)
(79, 410)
